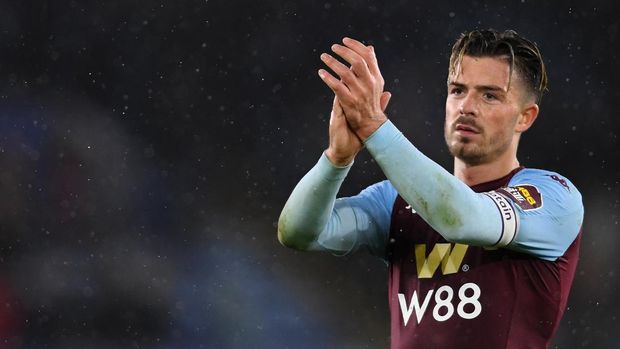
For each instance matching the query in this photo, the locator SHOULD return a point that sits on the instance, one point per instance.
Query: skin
(485, 115)
(485, 118)
(359, 96)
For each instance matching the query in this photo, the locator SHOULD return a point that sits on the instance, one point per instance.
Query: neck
(485, 172)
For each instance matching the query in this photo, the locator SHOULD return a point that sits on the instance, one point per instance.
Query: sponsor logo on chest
(447, 300)
(449, 256)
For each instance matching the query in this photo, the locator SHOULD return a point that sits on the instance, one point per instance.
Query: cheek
(450, 106)
(504, 120)
(509, 123)
(451, 111)
(501, 129)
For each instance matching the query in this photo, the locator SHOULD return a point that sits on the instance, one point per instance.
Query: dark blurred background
(147, 147)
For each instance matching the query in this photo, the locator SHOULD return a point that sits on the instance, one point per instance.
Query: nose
(468, 105)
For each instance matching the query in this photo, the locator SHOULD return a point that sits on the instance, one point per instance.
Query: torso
(468, 296)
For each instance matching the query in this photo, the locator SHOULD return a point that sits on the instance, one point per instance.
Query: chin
(468, 153)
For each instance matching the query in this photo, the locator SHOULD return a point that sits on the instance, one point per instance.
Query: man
(483, 258)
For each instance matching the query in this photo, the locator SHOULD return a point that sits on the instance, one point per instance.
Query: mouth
(466, 130)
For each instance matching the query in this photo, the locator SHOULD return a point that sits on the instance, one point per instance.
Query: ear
(529, 113)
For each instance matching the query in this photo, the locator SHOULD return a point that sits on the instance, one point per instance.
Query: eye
(489, 96)
(456, 91)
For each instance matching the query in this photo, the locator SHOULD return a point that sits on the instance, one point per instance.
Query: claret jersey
(448, 295)
(488, 266)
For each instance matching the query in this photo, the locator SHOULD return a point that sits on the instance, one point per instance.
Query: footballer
(483, 257)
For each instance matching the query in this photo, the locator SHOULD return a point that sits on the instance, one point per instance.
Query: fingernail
(324, 56)
(346, 39)
(321, 73)
(335, 46)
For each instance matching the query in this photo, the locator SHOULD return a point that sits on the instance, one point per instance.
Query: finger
(358, 47)
(357, 62)
(384, 100)
(367, 52)
(345, 74)
(373, 65)
(339, 119)
(339, 88)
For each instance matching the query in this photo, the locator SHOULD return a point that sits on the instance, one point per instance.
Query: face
(481, 110)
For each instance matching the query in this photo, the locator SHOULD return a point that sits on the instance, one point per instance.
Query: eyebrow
(478, 87)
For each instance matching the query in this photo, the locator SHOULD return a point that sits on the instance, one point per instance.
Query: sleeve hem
(382, 137)
(330, 171)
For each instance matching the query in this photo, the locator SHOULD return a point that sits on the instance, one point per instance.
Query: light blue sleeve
(360, 221)
(314, 220)
(447, 204)
(550, 212)
(492, 219)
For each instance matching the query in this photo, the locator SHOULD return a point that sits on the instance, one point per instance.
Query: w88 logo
(468, 294)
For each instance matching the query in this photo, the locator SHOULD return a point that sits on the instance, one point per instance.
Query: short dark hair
(521, 53)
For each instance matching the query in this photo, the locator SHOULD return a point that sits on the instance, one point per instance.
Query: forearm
(445, 202)
(308, 209)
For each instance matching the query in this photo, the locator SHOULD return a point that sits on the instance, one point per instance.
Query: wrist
(371, 126)
(339, 160)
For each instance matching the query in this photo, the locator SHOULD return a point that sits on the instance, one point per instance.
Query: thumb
(337, 112)
(384, 100)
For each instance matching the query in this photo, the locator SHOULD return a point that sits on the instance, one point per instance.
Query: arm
(309, 207)
(447, 204)
(550, 211)
(544, 225)
(314, 220)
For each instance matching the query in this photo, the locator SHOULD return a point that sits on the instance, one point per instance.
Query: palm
(344, 144)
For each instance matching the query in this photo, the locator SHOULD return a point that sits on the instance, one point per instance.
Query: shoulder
(549, 212)
(547, 179)
(536, 187)
(540, 175)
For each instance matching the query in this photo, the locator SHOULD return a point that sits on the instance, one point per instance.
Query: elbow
(292, 241)
(284, 239)
(289, 237)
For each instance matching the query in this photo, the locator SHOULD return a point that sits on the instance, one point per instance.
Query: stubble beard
(472, 153)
